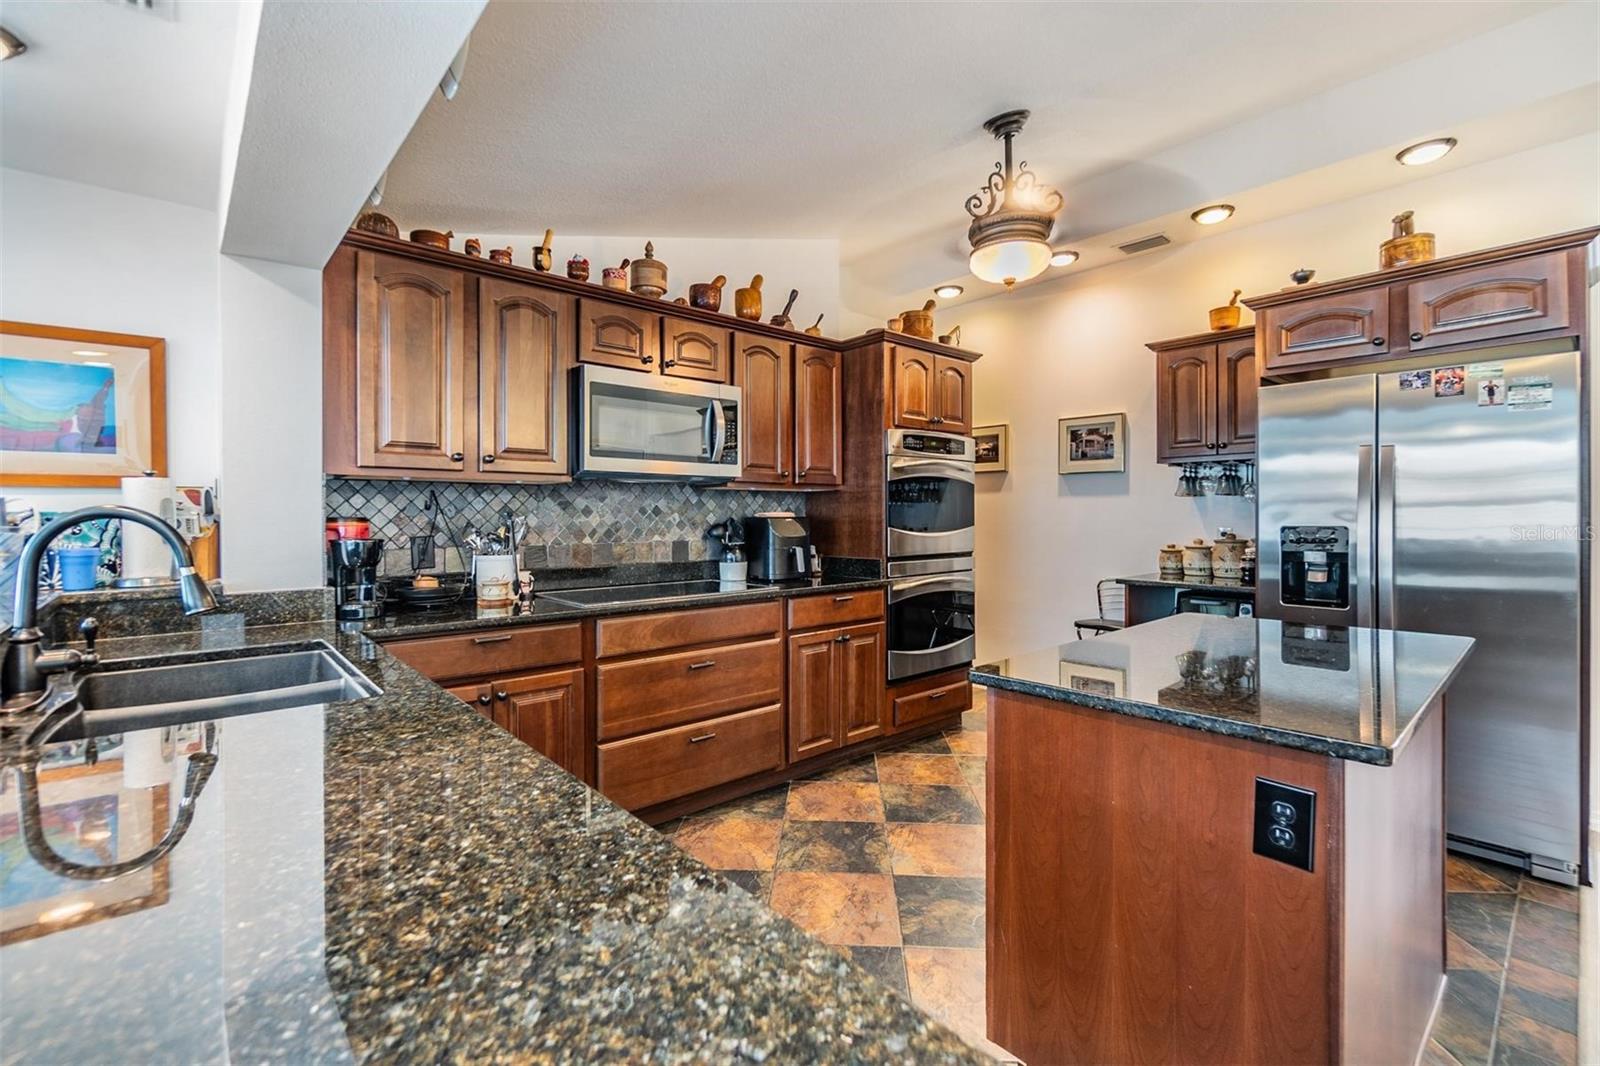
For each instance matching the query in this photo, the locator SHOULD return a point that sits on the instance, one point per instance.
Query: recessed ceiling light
(948, 292)
(10, 45)
(1211, 214)
(1425, 151)
(1063, 258)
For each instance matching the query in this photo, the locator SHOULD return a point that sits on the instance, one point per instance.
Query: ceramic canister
(1171, 561)
(1227, 556)
(1197, 559)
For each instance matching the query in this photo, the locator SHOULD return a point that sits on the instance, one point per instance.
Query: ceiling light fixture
(948, 292)
(1012, 215)
(11, 45)
(1063, 258)
(1424, 152)
(1211, 214)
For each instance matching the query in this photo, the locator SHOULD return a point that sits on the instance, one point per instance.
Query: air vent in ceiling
(166, 9)
(1144, 244)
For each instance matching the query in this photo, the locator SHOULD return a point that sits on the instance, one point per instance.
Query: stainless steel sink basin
(120, 701)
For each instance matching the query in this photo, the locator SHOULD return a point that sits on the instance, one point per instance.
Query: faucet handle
(89, 629)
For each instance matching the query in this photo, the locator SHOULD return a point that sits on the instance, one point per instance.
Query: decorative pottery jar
(383, 225)
(432, 238)
(1170, 561)
(1406, 246)
(578, 268)
(1227, 557)
(1197, 559)
(615, 277)
(500, 255)
(650, 274)
(474, 247)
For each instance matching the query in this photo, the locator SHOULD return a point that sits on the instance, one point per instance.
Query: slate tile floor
(883, 858)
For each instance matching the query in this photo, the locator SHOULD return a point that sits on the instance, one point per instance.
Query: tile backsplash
(575, 524)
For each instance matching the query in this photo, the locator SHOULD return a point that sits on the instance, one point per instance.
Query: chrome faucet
(26, 667)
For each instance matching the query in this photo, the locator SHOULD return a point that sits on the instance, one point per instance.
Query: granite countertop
(465, 615)
(1350, 693)
(1163, 581)
(396, 879)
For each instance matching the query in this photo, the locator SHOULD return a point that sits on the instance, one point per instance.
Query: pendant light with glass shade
(1012, 215)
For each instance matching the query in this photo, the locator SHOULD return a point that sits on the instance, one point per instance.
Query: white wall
(1076, 347)
(812, 266)
(85, 256)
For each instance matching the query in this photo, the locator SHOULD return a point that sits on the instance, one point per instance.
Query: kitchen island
(1218, 840)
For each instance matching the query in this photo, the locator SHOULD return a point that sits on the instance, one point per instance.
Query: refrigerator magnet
(1491, 392)
(1450, 381)
(1415, 379)
(1530, 392)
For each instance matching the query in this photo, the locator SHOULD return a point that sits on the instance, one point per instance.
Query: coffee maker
(779, 546)
(353, 571)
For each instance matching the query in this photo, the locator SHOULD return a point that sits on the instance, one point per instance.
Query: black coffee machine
(779, 546)
(353, 572)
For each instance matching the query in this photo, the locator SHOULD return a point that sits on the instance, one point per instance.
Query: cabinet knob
(936, 421)
(800, 475)
(483, 700)
(647, 359)
(668, 362)
(500, 694)
(1211, 447)
(1221, 445)
(1377, 342)
(1416, 336)
(842, 638)
(783, 473)
(456, 457)
(488, 458)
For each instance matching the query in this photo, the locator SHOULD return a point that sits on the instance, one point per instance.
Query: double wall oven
(929, 541)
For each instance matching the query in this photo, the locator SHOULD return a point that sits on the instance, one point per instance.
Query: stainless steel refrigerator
(1449, 499)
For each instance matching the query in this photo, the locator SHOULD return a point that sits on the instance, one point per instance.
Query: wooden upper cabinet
(818, 418)
(1186, 404)
(411, 364)
(524, 352)
(1237, 381)
(1489, 302)
(912, 373)
(762, 368)
(813, 688)
(613, 335)
(952, 395)
(545, 712)
(1345, 325)
(861, 683)
(693, 350)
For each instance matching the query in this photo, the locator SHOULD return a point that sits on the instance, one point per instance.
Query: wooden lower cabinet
(546, 712)
(656, 767)
(835, 688)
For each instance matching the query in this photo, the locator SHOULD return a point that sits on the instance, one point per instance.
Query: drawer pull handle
(843, 599)
(701, 737)
(500, 695)
(938, 695)
(491, 640)
(704, 665)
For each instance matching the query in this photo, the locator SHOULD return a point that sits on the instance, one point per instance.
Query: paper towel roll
(144, 554)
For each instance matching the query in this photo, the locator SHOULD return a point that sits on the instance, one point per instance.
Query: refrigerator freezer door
(1478, 525)
(1314, 468)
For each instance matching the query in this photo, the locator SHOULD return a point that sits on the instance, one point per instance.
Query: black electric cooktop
(664, 590)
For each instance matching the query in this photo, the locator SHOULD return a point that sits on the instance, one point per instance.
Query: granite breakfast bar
(1218, 840)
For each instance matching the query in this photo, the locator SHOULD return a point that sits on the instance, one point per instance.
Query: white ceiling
(863, 121)
(114, 96)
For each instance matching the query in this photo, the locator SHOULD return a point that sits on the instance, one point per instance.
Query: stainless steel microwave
(630, 425)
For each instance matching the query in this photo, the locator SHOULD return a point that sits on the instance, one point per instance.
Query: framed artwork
(79, 407)
(1094, 444)
(87, 815)
(993, 448)
(1110, 682)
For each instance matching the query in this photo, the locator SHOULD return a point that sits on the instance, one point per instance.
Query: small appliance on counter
(779, 545)
(732, 568)
(353, 568)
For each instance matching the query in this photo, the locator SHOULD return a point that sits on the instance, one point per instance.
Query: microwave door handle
(718, 426)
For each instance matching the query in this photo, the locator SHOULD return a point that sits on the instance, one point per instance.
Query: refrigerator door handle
(1385, 544)
(1364, 563)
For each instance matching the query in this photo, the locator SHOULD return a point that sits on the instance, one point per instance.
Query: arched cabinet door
(524, 352)
(613, 335)
(912, 374)
(410, 364)
(692, 350)
(1237, 381)
(762, 369)
(1186, 392)
(952, 395)
(1500, 300)
(1344, 325)
(818, 418)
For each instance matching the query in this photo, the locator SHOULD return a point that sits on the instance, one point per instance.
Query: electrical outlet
(1285, 824)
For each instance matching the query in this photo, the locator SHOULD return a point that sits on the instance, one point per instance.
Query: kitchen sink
(121, 701)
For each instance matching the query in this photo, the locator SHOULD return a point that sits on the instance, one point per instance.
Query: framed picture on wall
(1093, 444)
(993, 448)
(80, 407)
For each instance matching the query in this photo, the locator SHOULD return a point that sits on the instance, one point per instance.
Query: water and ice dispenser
(1316, 566)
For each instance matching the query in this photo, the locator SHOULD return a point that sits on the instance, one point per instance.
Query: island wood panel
(524, 353)
(1394, 955)
(636, 634)
(1128, 919)
(635, 695)
(763, 370)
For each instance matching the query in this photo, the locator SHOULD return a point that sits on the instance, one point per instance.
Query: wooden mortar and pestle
(1226, 316)
(782, 317)
(815, 329)
(541, 252)
(707, 295)
(747, 301)
(919, 323)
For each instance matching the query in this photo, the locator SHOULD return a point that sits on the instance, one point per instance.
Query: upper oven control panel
(942, 445)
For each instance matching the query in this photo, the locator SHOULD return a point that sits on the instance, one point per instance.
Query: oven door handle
(903, 590)
(944, 467)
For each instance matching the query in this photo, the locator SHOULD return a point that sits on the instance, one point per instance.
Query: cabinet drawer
(932, 703)
(685, 686)
(809, 612)
(640, 633)
(499, 651)
(677, 762)
(1324, 329)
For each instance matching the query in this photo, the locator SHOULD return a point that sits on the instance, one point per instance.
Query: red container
(349, 527)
